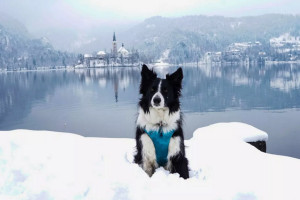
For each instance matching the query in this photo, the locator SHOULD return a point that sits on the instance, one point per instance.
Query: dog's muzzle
(157, 101)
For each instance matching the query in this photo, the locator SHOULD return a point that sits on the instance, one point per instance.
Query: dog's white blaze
(174, 149)
(158, 94)
(150, 120)
(148, 154)
(159, 85)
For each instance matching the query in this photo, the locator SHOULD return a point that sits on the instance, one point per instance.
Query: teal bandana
(161, 142)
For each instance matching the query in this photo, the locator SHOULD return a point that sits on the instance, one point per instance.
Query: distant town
(285, 48)
(282, 49)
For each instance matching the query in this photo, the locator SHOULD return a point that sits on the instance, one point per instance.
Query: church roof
(122, 50)
(100, 53)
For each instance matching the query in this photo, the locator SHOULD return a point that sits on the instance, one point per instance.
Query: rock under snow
(231, 131)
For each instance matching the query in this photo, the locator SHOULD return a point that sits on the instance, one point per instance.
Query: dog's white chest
(151, 120)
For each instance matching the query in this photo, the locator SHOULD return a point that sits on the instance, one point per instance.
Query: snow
(162, 61)
(231, 131)
(87, 55)
(79, 66)
(161, 64)
(101, 53)
(123, 51)
(284, 39)
(51, 165)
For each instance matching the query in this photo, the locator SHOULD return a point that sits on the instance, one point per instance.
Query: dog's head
(160, 93)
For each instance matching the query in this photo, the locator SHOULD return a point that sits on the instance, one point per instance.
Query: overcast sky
(82, 16)
(86, 12)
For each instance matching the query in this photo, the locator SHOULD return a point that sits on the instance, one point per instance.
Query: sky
(58, 17)
(86, 12)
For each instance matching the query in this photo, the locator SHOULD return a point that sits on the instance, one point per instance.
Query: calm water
(103, 102)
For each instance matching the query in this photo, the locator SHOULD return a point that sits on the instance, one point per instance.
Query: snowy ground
(40, 165)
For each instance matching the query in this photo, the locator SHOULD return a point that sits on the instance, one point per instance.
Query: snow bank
(231, 131)
(50, 165)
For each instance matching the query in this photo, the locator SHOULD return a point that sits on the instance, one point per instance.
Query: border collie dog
(159, 135)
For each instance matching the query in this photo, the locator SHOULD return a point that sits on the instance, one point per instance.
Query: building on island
(116, 57)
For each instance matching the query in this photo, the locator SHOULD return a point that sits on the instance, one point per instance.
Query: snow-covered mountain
(18, 49)
(186, 39)
(13, 25)
(190, 36)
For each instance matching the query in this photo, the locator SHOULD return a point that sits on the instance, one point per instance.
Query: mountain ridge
(18, 49)
(200, 33)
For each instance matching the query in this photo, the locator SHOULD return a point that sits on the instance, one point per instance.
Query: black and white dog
(159, 135)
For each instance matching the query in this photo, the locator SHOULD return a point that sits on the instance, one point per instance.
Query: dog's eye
(152, 89)
(165, 90)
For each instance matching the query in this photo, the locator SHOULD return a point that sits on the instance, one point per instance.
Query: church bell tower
(114, 45)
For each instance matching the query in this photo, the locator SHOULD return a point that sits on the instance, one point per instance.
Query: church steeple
(114, 37)
(114, 46)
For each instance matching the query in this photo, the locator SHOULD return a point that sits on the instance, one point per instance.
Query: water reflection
(206, 88)
(103, 102)
(21, 90)
(217, 88)
(120, 78)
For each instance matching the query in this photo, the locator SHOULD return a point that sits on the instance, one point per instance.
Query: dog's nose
(156, 100)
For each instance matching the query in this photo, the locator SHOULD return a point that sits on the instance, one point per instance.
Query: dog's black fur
(168, 91)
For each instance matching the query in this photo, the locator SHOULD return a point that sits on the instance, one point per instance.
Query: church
(116, 57)
(121, 54)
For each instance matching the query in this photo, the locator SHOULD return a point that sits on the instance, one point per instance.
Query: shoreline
(191, 64)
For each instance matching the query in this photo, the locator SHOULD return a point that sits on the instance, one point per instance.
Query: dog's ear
(147, 74)
(147, 77)
(176, 77)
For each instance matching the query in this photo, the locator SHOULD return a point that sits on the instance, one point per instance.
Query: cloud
(138, 9)
(89, 12)
(65, 21)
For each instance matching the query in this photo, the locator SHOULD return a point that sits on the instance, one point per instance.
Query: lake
(103, 102)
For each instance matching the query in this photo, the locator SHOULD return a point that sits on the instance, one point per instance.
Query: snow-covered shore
(50, 165)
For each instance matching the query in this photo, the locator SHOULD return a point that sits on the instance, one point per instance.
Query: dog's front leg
(149, 163)
(177, 162)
